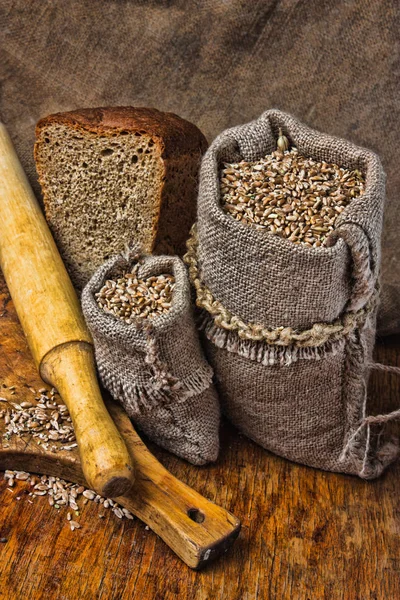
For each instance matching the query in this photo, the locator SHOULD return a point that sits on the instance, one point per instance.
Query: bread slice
(111, 176)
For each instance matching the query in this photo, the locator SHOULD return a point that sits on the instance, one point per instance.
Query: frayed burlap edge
(144, 397)
(261, 351)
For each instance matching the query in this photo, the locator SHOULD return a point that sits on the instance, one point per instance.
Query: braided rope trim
(318, 335)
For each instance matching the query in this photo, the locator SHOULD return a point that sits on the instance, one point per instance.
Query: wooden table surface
(306, 535)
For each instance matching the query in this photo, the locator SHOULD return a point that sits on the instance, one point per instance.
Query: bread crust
(176, 135)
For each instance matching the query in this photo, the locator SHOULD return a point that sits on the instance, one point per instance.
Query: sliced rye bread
(111, 176)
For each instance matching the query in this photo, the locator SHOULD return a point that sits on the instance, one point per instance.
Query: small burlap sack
(288, 329)
(155, 367)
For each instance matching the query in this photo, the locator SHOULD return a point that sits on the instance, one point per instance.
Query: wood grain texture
(306, 535)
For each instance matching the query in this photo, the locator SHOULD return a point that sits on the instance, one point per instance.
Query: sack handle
(372, 420)
(364, 272)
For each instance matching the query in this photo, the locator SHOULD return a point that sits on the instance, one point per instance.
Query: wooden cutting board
(306, 533)
(195, 528)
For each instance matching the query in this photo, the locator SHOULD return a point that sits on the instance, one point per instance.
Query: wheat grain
(290, 195)
(129, 297)
(45, 421)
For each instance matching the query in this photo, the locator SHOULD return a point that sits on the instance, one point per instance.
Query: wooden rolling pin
(51, 318)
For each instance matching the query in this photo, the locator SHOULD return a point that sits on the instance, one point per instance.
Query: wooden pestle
(50, 315)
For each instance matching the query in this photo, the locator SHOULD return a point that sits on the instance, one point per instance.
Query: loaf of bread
(112, 176)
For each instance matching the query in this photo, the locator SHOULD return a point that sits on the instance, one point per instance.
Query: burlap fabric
(155, 367)
(332, 64)
(289, 329)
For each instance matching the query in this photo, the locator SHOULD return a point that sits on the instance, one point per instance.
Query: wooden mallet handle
(50, 314)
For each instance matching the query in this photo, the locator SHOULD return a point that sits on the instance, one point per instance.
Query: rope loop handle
(371, 420)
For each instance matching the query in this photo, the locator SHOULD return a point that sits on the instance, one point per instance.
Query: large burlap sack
(290, 329)
(155, 367)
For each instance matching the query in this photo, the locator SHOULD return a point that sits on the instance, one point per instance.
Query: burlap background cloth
(334, 65)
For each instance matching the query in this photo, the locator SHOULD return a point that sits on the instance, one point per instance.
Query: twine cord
(371, 419)
(318, 335)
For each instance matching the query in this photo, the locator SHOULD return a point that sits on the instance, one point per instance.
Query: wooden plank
(305, 534)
